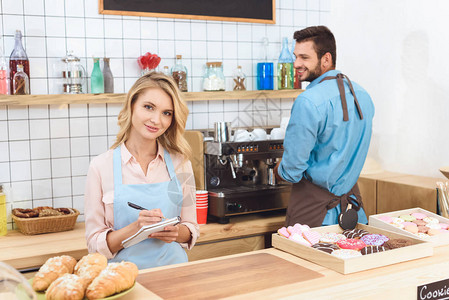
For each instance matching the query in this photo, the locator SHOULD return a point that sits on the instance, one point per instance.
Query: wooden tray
(437, 240)
(346, 266)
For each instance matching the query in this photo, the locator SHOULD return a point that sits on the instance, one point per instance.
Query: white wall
(398, 51)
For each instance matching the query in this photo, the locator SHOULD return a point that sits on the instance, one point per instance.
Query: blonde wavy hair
(173, 138)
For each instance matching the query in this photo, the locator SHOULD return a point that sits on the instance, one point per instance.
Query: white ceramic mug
(277, 134)
(258, 134)
(241, 135)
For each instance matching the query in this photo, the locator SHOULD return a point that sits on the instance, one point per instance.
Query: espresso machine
(240, 178)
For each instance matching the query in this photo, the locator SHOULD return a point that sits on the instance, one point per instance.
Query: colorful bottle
(179, 73)
(166, 71)
(3, 220)
(4, 78)
(96, 78)
(285, 67)
(20, 82)
(18, 57)
(296, 77)
(107, 76)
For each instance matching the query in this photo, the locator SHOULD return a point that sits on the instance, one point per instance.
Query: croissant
(66, 287)
(116, 278)
(52, 269)
(90, 266)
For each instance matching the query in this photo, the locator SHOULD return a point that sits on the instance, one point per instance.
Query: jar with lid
(239, 80)
(21, 82)
(73, 74)
(179, 73)
(213, 79)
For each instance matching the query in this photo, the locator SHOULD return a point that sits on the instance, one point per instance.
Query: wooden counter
(398, 281)
(245, 233)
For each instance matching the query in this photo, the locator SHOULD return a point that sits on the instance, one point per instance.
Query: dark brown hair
(322, 38)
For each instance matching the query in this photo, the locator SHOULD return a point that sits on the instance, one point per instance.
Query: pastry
(346, 253)
(90, 266)
(353, 244)
(355, 233)
(397, 221)
(418, 216)
(326, 247)
(431, 220)
(422, 235)
(433, 232)
(25, 213)
(374, 239)
(423, 229)
(283, 232)
(386, 219)
(420, 222)
(397, 243)
(116, 278)
(433, 225)
(296, 237)
(52, 269)
(411, 228)
(47, 211)
(66, 287)
(410, 223)
(407, 218)
(444, 226)
(331, 237)
(312, 237)
(372, 249)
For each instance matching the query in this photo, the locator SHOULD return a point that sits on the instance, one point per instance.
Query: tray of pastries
(44, 219)
(415, 222)
(92, 277)
(349, 251)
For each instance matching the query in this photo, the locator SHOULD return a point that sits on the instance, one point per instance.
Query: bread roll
(90, 266)
(52, 269)
(66, 287)
(116, 278)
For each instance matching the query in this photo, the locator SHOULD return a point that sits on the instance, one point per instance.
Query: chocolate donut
(372, 249)
(397, 243)
(326, 247)
(355, 233)
(25, 213)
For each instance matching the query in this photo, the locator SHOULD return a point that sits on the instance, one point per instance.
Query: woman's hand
(168, 235)
(148, 217)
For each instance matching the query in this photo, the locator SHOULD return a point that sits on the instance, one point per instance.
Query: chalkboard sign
(254, 11)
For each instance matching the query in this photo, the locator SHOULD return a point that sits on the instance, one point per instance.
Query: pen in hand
(135, 206)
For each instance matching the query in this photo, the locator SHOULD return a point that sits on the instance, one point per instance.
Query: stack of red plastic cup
(201, 206)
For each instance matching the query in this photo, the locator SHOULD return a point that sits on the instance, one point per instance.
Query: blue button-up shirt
(319, 145)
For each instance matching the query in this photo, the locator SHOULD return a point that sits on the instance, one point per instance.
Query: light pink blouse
(99, 194)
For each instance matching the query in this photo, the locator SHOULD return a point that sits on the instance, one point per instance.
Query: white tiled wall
(45, 150)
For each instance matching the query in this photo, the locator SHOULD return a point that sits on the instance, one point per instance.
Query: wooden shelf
(120, 98)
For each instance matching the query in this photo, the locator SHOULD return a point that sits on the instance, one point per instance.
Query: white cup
(258, 134)
(277, 134)
(241, 135)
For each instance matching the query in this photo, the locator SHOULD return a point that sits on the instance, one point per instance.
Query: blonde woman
(147, 165)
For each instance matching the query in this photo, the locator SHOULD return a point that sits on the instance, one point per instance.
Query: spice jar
(179, 73)
(239, 80)
(213, 79)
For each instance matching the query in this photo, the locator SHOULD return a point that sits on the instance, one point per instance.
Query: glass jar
(213, 79)
(73, 74)
(239, 80)
(179, 73)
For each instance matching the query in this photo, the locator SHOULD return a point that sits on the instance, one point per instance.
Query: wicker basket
(46, 224)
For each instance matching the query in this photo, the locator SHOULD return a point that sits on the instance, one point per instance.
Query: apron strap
(117, 160)
(341, 88)
(169, 163)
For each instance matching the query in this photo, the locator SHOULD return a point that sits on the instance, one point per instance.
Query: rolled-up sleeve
(97, 227)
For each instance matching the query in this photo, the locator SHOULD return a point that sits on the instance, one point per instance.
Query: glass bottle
(96, 78)
(213, 79)
(166, 71)
(285, 67)
(296, 77)
(179, 73)
(21, 82)
(73, 74)
(4, 78)
(3, 220)
(18, 57)
(239, 80)
(107, 76)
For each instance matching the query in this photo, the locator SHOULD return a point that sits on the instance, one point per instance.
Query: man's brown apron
(309, 202)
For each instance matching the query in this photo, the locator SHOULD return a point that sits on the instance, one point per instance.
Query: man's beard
(314, 74)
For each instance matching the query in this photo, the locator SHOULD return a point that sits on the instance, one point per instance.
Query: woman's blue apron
(164, 195)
